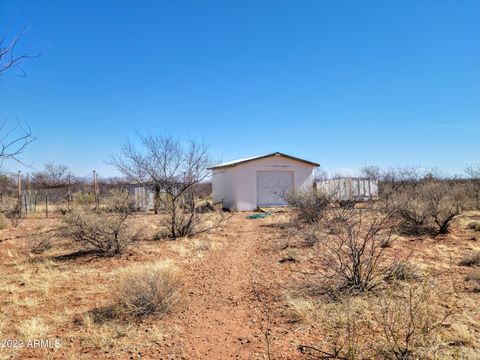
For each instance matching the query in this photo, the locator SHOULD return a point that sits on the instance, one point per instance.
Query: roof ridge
(253, 158)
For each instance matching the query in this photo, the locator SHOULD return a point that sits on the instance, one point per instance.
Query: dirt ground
(235, 285)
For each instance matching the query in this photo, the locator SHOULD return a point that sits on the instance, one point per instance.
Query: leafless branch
(9, 56)
(14, 141)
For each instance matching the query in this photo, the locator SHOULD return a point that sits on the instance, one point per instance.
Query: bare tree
(320, 174)
(52, 176)
(371, 172)
(172, 170)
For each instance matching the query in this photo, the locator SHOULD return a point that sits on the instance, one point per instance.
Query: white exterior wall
(237, 186)
(224, 187)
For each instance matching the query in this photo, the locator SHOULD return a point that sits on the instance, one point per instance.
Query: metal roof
(253, 158)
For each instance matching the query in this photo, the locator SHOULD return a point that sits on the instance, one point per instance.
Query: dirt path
(222, 318)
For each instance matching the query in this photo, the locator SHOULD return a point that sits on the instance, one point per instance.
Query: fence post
(46, 203)
(19, 194)
(69, 195)
(95, 189)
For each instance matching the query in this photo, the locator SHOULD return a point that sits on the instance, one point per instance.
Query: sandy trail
(223, 317)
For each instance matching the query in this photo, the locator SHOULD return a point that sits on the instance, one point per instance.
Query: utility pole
(95, 189)
(19, 193)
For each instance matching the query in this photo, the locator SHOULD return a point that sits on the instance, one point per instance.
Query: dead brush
(471, 259)
(148, 289)
(39, 244)
(398, 323)
(107, 233)
(351, 248)
(310, 205)
(3, 221)
(404, 271)
(474, 225)
(289, 256)
(474, 276)
(410, 322)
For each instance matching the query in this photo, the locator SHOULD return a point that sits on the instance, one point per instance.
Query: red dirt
(227, 294)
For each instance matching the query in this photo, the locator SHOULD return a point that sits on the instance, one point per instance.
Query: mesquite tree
(171, 169)
(352, 246)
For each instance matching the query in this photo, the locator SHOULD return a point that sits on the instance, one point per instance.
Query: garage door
(271, 187)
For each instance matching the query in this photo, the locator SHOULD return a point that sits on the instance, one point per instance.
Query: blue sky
(343, 83)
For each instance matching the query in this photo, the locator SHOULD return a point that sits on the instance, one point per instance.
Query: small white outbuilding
(260, 181)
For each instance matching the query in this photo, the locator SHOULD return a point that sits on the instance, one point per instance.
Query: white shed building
(247, 184)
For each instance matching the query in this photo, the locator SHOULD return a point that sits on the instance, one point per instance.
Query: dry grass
(460, 335)
(101, 336)
(471, 259)
(4, 321)
(405, 271)
(474, 276)
(405, 323)
(290, 255)
(64, 292)
(474, 225)
(3, 222)
(38, 244)
(202, 245)
(148, 289)
(300, 310)
(34, 328)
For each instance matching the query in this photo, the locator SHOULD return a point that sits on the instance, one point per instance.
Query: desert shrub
(311, 238)
(310, 205)
(148, 289)
(3, 222)
(289, 256)
(474, 276)
(405, 271)
(386, 243)
(184, 218)
(38, 244)
(352, 246)
(15, 216)
(413, 212)
(109, 233)
(409, 322)
(398, 323)
(428, 205)
(85, 199)
(345, 324)
(471, 259)
(474, 225)
(445, 201)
